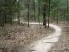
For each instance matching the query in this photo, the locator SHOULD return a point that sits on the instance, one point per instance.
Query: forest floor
(63, 44)
(20, 36)
(16, 36)
(45, 43)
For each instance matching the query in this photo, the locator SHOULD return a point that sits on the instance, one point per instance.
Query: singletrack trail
(46, 43)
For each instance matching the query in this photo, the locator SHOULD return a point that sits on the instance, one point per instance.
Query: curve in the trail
(46, 43)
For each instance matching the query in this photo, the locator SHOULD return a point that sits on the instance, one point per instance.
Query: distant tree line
(55, 10)
(8, 8)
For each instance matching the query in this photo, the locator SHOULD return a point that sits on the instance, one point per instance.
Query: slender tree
(39, 11)
(57, 15)
(34, 11)
(18, 6)
(44, 14)
(28, 11)
(67, 12)
(49, 14)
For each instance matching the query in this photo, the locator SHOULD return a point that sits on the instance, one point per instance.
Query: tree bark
(28, 12)
(57, 16)
(39, 11)
(49, 14)
(44, 15)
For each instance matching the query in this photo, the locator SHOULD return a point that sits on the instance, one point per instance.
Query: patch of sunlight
(15, 20)
(45, 44)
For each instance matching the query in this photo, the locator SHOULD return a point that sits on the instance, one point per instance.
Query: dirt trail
(46, 43)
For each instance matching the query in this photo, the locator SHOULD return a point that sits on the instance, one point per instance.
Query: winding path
(46, 43)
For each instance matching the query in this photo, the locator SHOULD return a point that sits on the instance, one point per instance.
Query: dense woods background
(22, 9)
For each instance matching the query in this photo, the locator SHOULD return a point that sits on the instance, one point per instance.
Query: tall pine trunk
(57, 15)
(44, 14)
(39, 11)
(49, 14)
(28, 11)
(34, 11)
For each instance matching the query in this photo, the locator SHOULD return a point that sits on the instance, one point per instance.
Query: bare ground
(63, 44)
(18, 36)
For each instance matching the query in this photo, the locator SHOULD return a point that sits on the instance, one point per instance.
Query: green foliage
(8, 8)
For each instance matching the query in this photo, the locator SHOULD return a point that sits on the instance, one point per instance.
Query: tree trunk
(49, 14)
(67, 13)
(44, 15)
(34, 11)
(18, 17)
(57, 16)
(28, 11)
(39, 11)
